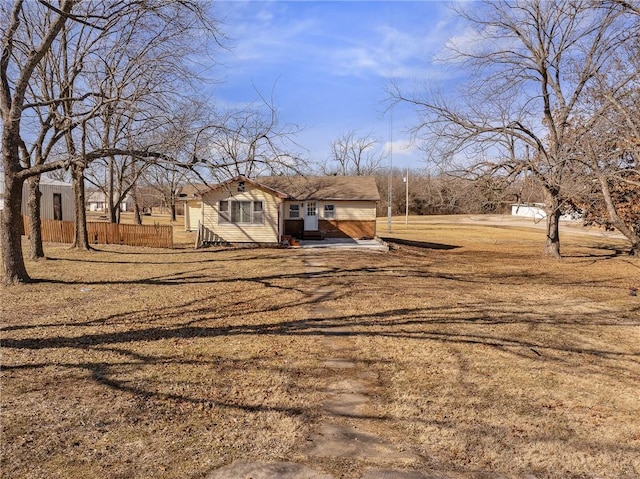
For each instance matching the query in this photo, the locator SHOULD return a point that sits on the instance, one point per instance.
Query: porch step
(312, 235)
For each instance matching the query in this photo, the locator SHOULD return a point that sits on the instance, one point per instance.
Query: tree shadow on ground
(419, 244)
(197, 318)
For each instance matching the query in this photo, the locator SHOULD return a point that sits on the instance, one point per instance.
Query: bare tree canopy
(77, 81)
(249, 141)
(530, 65)
(354, 154)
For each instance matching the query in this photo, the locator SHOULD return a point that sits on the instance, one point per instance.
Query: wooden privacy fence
(154, 236)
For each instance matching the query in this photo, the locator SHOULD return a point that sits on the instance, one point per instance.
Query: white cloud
(399, 147)
(343, 42)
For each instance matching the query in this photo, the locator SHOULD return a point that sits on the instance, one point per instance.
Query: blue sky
(326, 64)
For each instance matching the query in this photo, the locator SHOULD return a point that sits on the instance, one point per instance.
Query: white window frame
(223, 212)
(234, 211)
(329, 212)
(294, 208)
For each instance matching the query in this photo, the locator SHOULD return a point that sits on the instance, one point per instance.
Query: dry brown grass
(131, 362)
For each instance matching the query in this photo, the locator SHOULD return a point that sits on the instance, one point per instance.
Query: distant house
(533, 210)
(264, 210)
(97, 201)
(537, 212)
(56, 203)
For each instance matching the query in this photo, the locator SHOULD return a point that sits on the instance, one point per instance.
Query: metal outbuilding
(56, 203)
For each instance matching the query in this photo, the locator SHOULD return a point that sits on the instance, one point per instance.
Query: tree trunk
(112, 211)
(137, 217)
(552, 244)
(81, 236)
(110, 191)
(36, 251)
(173, 210)
(13, 267)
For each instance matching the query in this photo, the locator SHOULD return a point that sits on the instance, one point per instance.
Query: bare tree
(65, 106)
(530, 63)
(177, 136)
(633, 6)
(17, 65)
(248, 141)
(352, 154)
(609, 152)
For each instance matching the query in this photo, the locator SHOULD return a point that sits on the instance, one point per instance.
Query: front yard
(131, 362)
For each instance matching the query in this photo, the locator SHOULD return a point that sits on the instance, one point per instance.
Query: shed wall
(46, 201)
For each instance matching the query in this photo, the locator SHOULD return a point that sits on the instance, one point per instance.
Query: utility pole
(406, 200)
(390, 199)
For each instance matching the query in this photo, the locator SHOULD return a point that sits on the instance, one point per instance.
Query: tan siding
(195, 214)
(242, 233)
(351, 210)
(300, 211)
(345, 210)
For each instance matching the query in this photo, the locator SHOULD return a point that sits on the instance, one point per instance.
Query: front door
(311, 216)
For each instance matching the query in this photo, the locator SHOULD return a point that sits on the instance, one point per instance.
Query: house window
(329, 212)
(294, 211)
(241, 212)
(240, 186)
(223, 212)
(257, 217)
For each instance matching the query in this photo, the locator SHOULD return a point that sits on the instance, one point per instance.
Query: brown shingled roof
(355, 188)
(190, 191)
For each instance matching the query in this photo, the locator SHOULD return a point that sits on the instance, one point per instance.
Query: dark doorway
(57, 206)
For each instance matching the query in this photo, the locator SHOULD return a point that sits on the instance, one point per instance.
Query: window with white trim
(223, 212)
(329, 212)
(257, 214)
(240, 212)
(294, 211)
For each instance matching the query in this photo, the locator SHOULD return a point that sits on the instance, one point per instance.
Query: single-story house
(268, 209)
(56, 202)
(97, 201)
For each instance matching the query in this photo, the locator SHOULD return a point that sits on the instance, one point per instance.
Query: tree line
(551, 93)
(445, 194)
(110, 92)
